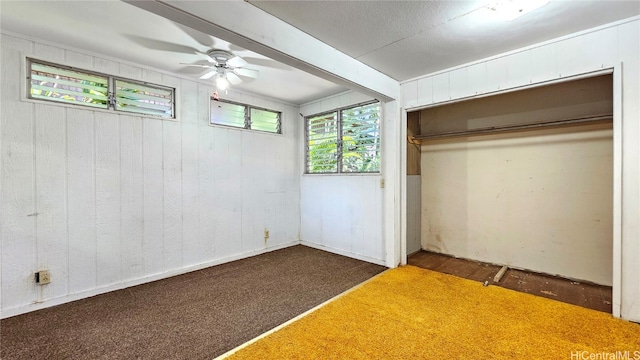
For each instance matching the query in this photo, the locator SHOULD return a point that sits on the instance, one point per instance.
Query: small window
(322, 136)
(75, 86)
(344, 141)
(68, 86)
(229, 114)
(245, 116)
(361, 138)
(265, 120)
(144, 99)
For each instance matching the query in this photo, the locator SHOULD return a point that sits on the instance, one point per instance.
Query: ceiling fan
(225, 66)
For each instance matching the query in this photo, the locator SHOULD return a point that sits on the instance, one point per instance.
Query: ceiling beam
(249, 27)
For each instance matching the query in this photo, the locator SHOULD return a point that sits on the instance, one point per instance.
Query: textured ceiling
(406, 39)
(403, 39)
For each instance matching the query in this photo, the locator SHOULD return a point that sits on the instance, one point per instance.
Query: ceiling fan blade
(204, 39)
(233, 78)
(197, 65)
(209, 74)
(160, 44)
(246, 72)
(207, 57)
(236, 61)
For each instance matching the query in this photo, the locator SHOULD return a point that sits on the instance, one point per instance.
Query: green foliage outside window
(344, 141)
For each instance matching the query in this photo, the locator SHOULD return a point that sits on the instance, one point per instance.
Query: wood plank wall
(105, 199)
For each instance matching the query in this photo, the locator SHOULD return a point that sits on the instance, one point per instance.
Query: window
(80, 87)
(264, 120)
(143, 98)
(245, 116)
(344, 141)
(68, 86)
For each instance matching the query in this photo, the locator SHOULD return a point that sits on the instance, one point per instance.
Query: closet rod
(498, 129)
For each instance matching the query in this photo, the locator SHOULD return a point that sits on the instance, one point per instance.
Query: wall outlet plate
(43, 277)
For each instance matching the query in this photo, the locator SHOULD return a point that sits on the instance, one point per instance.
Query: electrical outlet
(382, 183)
(43, 277)
(266, 234)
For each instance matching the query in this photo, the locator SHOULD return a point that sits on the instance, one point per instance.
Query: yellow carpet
(412, 313)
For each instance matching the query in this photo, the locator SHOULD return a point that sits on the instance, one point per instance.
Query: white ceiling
(402, 39)
(406, 39)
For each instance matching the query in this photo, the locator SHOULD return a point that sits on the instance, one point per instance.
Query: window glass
(346, 140)
(322, 143)
(265, 120)
(224, 113)
(144, 99)
(68, 86)
(361, 139)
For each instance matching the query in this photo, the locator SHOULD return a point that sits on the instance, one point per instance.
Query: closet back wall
(538, 199)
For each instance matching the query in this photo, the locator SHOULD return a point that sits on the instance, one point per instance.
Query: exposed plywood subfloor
(587, 295)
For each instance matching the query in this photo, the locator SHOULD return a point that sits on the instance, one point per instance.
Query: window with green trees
(68, 85)
(228, 113)
(346, 140)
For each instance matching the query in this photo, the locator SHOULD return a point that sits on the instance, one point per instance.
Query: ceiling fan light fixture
(221, 82)
(508, 10)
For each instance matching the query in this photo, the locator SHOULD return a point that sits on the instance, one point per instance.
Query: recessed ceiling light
(508, 10)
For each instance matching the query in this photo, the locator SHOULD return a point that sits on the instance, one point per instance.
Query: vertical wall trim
(301, 166)
(120, 237)
(164, 210)
(37, 294)
(617, 190)
(142, 216)
(391, 195)
(403, 186)
(95, 197)
(66, 192)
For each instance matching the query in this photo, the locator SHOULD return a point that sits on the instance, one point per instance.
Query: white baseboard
(344, 253)
(133, 282)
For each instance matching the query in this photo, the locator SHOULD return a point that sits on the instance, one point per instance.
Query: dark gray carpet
(198, 315)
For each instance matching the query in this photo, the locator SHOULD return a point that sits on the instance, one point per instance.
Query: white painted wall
(341, 213)
(571, 55)
(106, 200)
(539, 200)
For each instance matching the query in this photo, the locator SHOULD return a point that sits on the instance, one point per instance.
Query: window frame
(339, 140)
(111, 106)
(247, 116)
